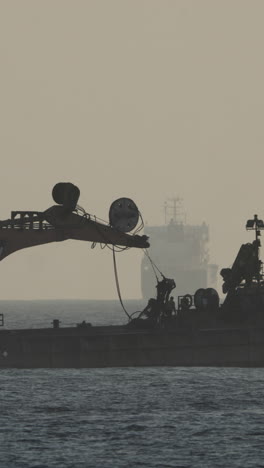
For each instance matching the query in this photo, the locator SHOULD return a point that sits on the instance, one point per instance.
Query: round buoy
(206, 299)
(123, 214)
(66, 194)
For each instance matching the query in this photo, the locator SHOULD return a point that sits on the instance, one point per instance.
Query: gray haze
(146, 99)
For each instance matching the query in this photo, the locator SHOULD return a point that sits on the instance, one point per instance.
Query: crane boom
(59, 223)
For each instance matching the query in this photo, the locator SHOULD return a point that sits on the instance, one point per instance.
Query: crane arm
(56, 224)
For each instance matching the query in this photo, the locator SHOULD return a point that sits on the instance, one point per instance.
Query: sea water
(125, 417)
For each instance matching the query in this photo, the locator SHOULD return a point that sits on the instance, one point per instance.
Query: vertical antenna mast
(256, 225)
(175, 209)
(165, 212)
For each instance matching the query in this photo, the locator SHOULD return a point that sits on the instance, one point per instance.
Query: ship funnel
(123, 214)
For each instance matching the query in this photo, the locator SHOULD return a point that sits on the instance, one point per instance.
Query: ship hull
(120, 347)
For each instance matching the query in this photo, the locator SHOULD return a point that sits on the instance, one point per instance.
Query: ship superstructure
(180, 251)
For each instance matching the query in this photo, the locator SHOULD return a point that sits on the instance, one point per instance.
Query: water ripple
(130, 418)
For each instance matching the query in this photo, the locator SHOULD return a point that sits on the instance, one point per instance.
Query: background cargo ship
(180, 251)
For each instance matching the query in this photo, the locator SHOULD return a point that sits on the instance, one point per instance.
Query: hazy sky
(146, 99)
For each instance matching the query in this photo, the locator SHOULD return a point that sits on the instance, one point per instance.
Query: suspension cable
(114, 248)
(118, 287)
(153, 265)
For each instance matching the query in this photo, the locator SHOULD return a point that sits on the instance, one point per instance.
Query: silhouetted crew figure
(170, 307)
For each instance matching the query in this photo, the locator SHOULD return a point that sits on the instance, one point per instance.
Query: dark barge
(199, 332)
(119, 346)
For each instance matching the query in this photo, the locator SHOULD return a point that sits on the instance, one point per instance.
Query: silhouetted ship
(197, 332)
(180, 250)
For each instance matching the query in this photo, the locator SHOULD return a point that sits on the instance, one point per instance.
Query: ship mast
(173, 210)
